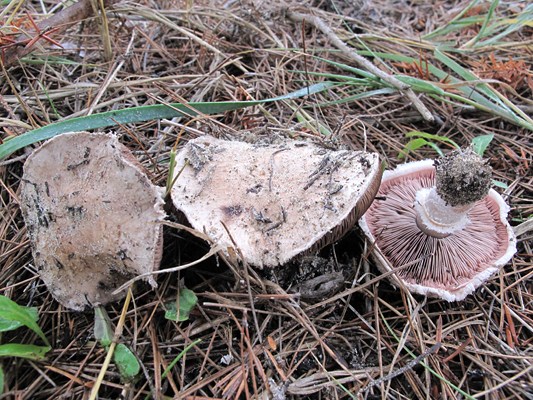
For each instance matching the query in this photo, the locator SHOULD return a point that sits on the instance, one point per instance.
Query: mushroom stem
(436, 218)
(462, 178)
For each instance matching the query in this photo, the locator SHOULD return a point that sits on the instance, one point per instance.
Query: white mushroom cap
(276, 200)
(93, 217)
(449, 267)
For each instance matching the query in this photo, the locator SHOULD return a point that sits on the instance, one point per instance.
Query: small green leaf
(480, 143)
(127, 363)
(11, 311)
(412, 145)
(501, 185)
(186, 302)
(103, 331)
(28, 351)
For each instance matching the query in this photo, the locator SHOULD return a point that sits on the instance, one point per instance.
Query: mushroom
(92, 215)
(273, 201)
(439, 226)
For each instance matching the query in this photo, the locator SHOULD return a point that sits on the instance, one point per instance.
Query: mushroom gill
(451, 265)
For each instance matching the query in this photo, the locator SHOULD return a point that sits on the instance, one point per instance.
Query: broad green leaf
(28, 351)
(11, 311)
(103, 331)
(480, 143)
(186, 301)
(127, 363)
(9, 325)
(140, 114)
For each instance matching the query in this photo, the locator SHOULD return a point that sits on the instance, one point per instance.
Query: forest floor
(470, 65)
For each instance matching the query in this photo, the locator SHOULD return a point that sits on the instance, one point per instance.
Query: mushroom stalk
(436, 218)
(462, 178)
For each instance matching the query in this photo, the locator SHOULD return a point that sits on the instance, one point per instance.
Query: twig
(404, 369)
(363, 62)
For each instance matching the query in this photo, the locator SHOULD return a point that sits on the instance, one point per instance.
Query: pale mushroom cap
(93, 217)
(451, 267)
(276, 200)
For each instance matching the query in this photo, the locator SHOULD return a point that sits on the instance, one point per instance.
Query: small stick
(409, 366)
(363, 62)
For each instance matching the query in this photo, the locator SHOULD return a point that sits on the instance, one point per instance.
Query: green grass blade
(443, 29)
(178, 357)
(483, 30)
(431, 136)
(420, 85)
(523, 19)
(494, 104)
(342, 78)
(348, 68)
(412, 145)
(141, 114)
(467, 76)
(359, 96)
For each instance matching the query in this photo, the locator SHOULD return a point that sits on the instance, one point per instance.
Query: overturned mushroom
(440, 226)
(92, 217)
(274, 201)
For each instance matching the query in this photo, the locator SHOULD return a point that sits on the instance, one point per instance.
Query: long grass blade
(141, 114)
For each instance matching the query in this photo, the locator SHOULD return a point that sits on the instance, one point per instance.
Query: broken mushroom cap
(436, 248)
(92, 215)
(273, 201)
